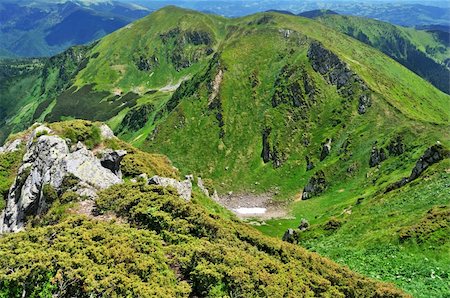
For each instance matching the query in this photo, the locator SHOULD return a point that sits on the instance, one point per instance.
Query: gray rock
(337, 73)
(432, 155)
(376, 156)
(46, 162)
(326, 149)
(202, 186)
(291, 236)
(106, 132)
(184, 188)
(316, 185)
(304, 225)
(364, 103)
(111, 160)
(11, 146)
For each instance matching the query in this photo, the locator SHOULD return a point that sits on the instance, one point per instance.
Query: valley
(305, 130)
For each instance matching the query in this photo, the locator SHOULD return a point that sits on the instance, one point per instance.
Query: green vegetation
(170, 248)
(420, 51)
(9, 164)
(400, 237)
(241, 103)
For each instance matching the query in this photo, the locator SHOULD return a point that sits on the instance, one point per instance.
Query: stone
(184, 188)
(326, 149)
(106, 132)
(316, 185)
(304, 225)
(432, 155)
(11, 146)
(111, 160)
(291, 236)
(376, 156)
(364, 102)
(47, 161)
(202, 186)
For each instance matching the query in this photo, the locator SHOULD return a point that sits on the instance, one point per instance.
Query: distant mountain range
(44, 28)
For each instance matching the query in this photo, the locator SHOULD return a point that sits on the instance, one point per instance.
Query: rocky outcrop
(396, 146)
(304, 225)
(184, 188)
(376, 156)
(316, 185)
(326, 149)
(11, 146)
(270, 153)
(337, 73)
(291, 236)
(432, 155)
(111, 160)
(47, 163)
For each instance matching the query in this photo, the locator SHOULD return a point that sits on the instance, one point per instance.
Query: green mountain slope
(146, 241)
(268, 104)
(420, 51)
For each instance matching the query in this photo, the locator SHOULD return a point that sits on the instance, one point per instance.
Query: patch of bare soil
(262, 205)
(87, 208)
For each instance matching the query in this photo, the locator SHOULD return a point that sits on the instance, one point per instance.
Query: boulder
(111, 160)
(326, 149)
(45, 165)
(11, 146)
(304, 225)
(291, 236)
(316, 185)
(364, 102)
(432, 155)
(376, 156)
(184, 188)
(202, 186)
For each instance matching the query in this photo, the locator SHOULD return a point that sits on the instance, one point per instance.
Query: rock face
(326, 149)
(184, 188)
(111, 160)
(376, 156)
(337, 73)
(432, 155)
(11, 146)
(270, 153)
(316, 185)
(47, 162)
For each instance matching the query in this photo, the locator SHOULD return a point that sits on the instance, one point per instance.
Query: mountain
(45, 28)
(426, 53)
(135, 238)
(317, 13)
(274, 112)
(404, 13)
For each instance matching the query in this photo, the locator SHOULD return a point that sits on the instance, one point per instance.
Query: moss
(49, 193)
(79, 131)
(9, 164)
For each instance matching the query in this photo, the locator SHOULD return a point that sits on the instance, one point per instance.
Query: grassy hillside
(268, 104)
(420, 51)
(146, 241)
